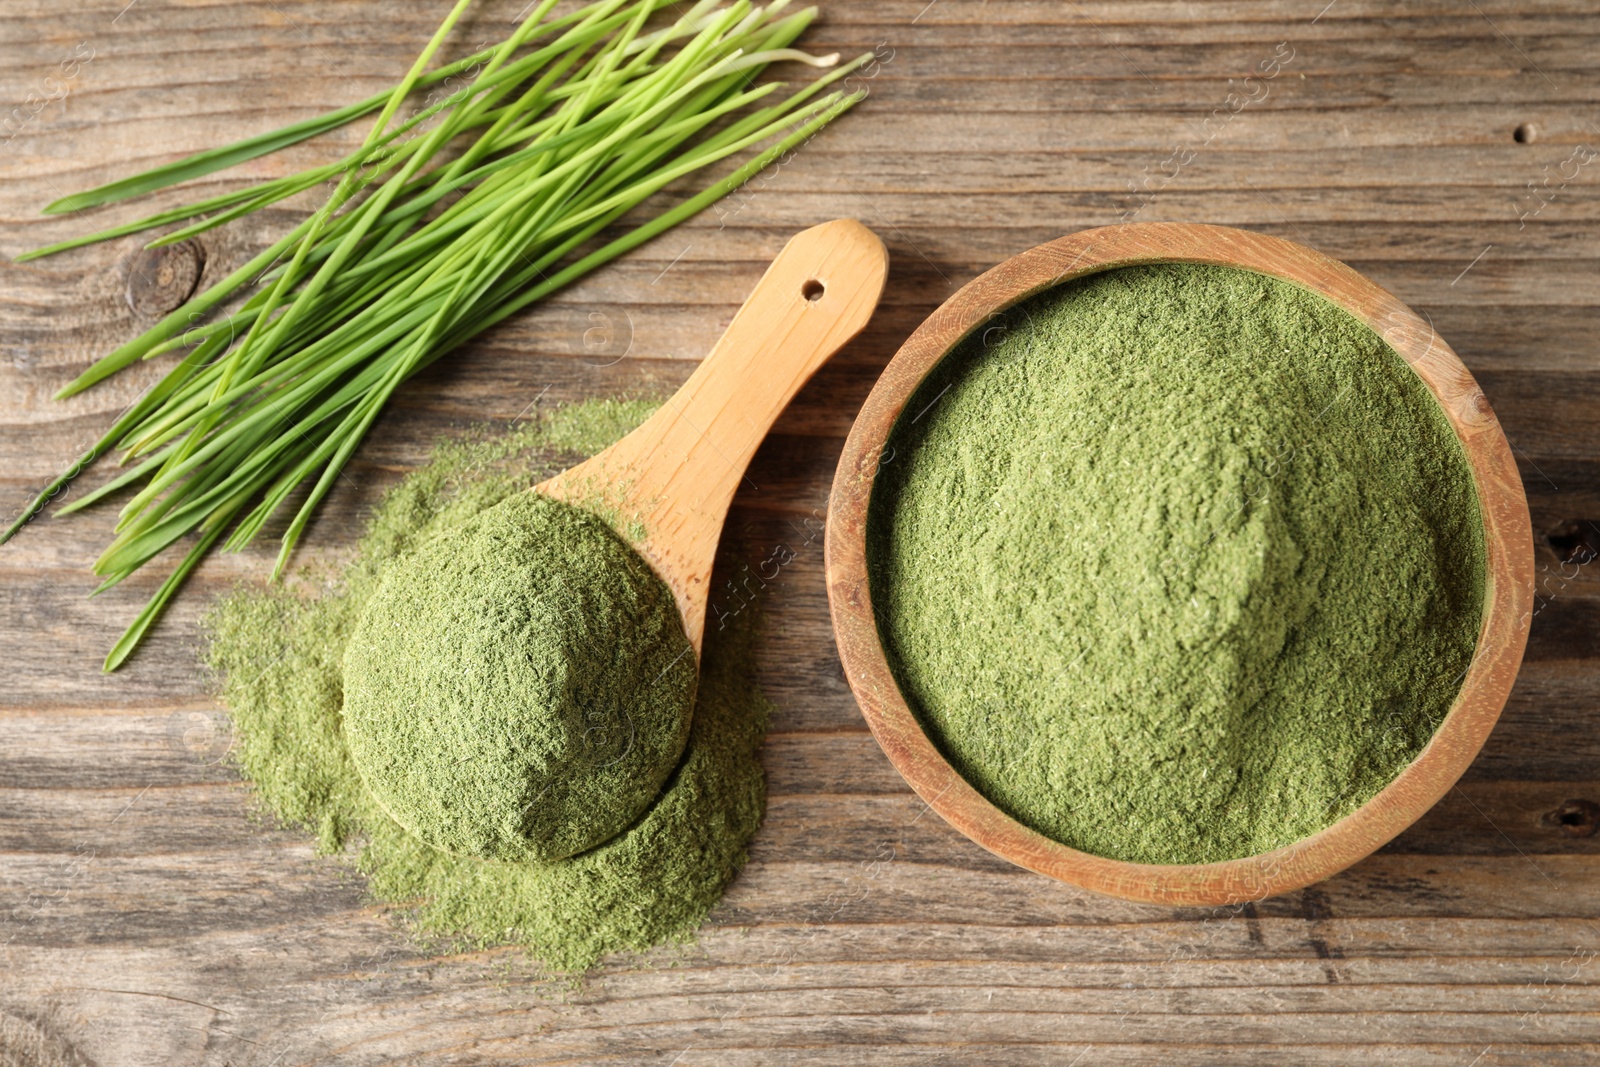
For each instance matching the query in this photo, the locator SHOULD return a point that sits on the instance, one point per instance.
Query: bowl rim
(1508, 592)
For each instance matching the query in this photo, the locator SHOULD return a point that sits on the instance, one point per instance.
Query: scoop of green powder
(280, 654)
(1178, 563)
(520, 687)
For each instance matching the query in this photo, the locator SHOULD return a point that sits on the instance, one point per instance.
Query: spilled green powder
(1177, 564)
(519, 687)
(279, 652)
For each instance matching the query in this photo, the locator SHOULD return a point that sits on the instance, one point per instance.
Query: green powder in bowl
(520, 687)
(1176, 563)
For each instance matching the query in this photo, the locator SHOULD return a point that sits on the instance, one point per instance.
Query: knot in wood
(1575, 818)
(1576, 541)
(161, 279)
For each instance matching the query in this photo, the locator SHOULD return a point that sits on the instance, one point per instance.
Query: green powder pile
(519, 687)
(280, 652)
(1177, 564)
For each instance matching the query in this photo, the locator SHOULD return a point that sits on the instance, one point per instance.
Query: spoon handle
(676, 474)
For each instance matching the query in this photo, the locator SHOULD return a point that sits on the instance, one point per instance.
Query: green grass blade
(134, 634)
(212, 160)
(115, 485)
(163, 218)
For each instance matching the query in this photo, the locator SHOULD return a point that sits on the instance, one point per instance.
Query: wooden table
(147, 917)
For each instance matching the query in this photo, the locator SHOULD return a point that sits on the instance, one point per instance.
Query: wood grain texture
(146, 915)
(1508, 580)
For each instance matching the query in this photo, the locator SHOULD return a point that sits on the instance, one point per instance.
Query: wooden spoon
(675, 475)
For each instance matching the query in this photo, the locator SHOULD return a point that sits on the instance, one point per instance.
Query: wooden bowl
(1507, 602)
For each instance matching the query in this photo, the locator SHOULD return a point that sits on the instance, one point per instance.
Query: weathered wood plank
(147, 917)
